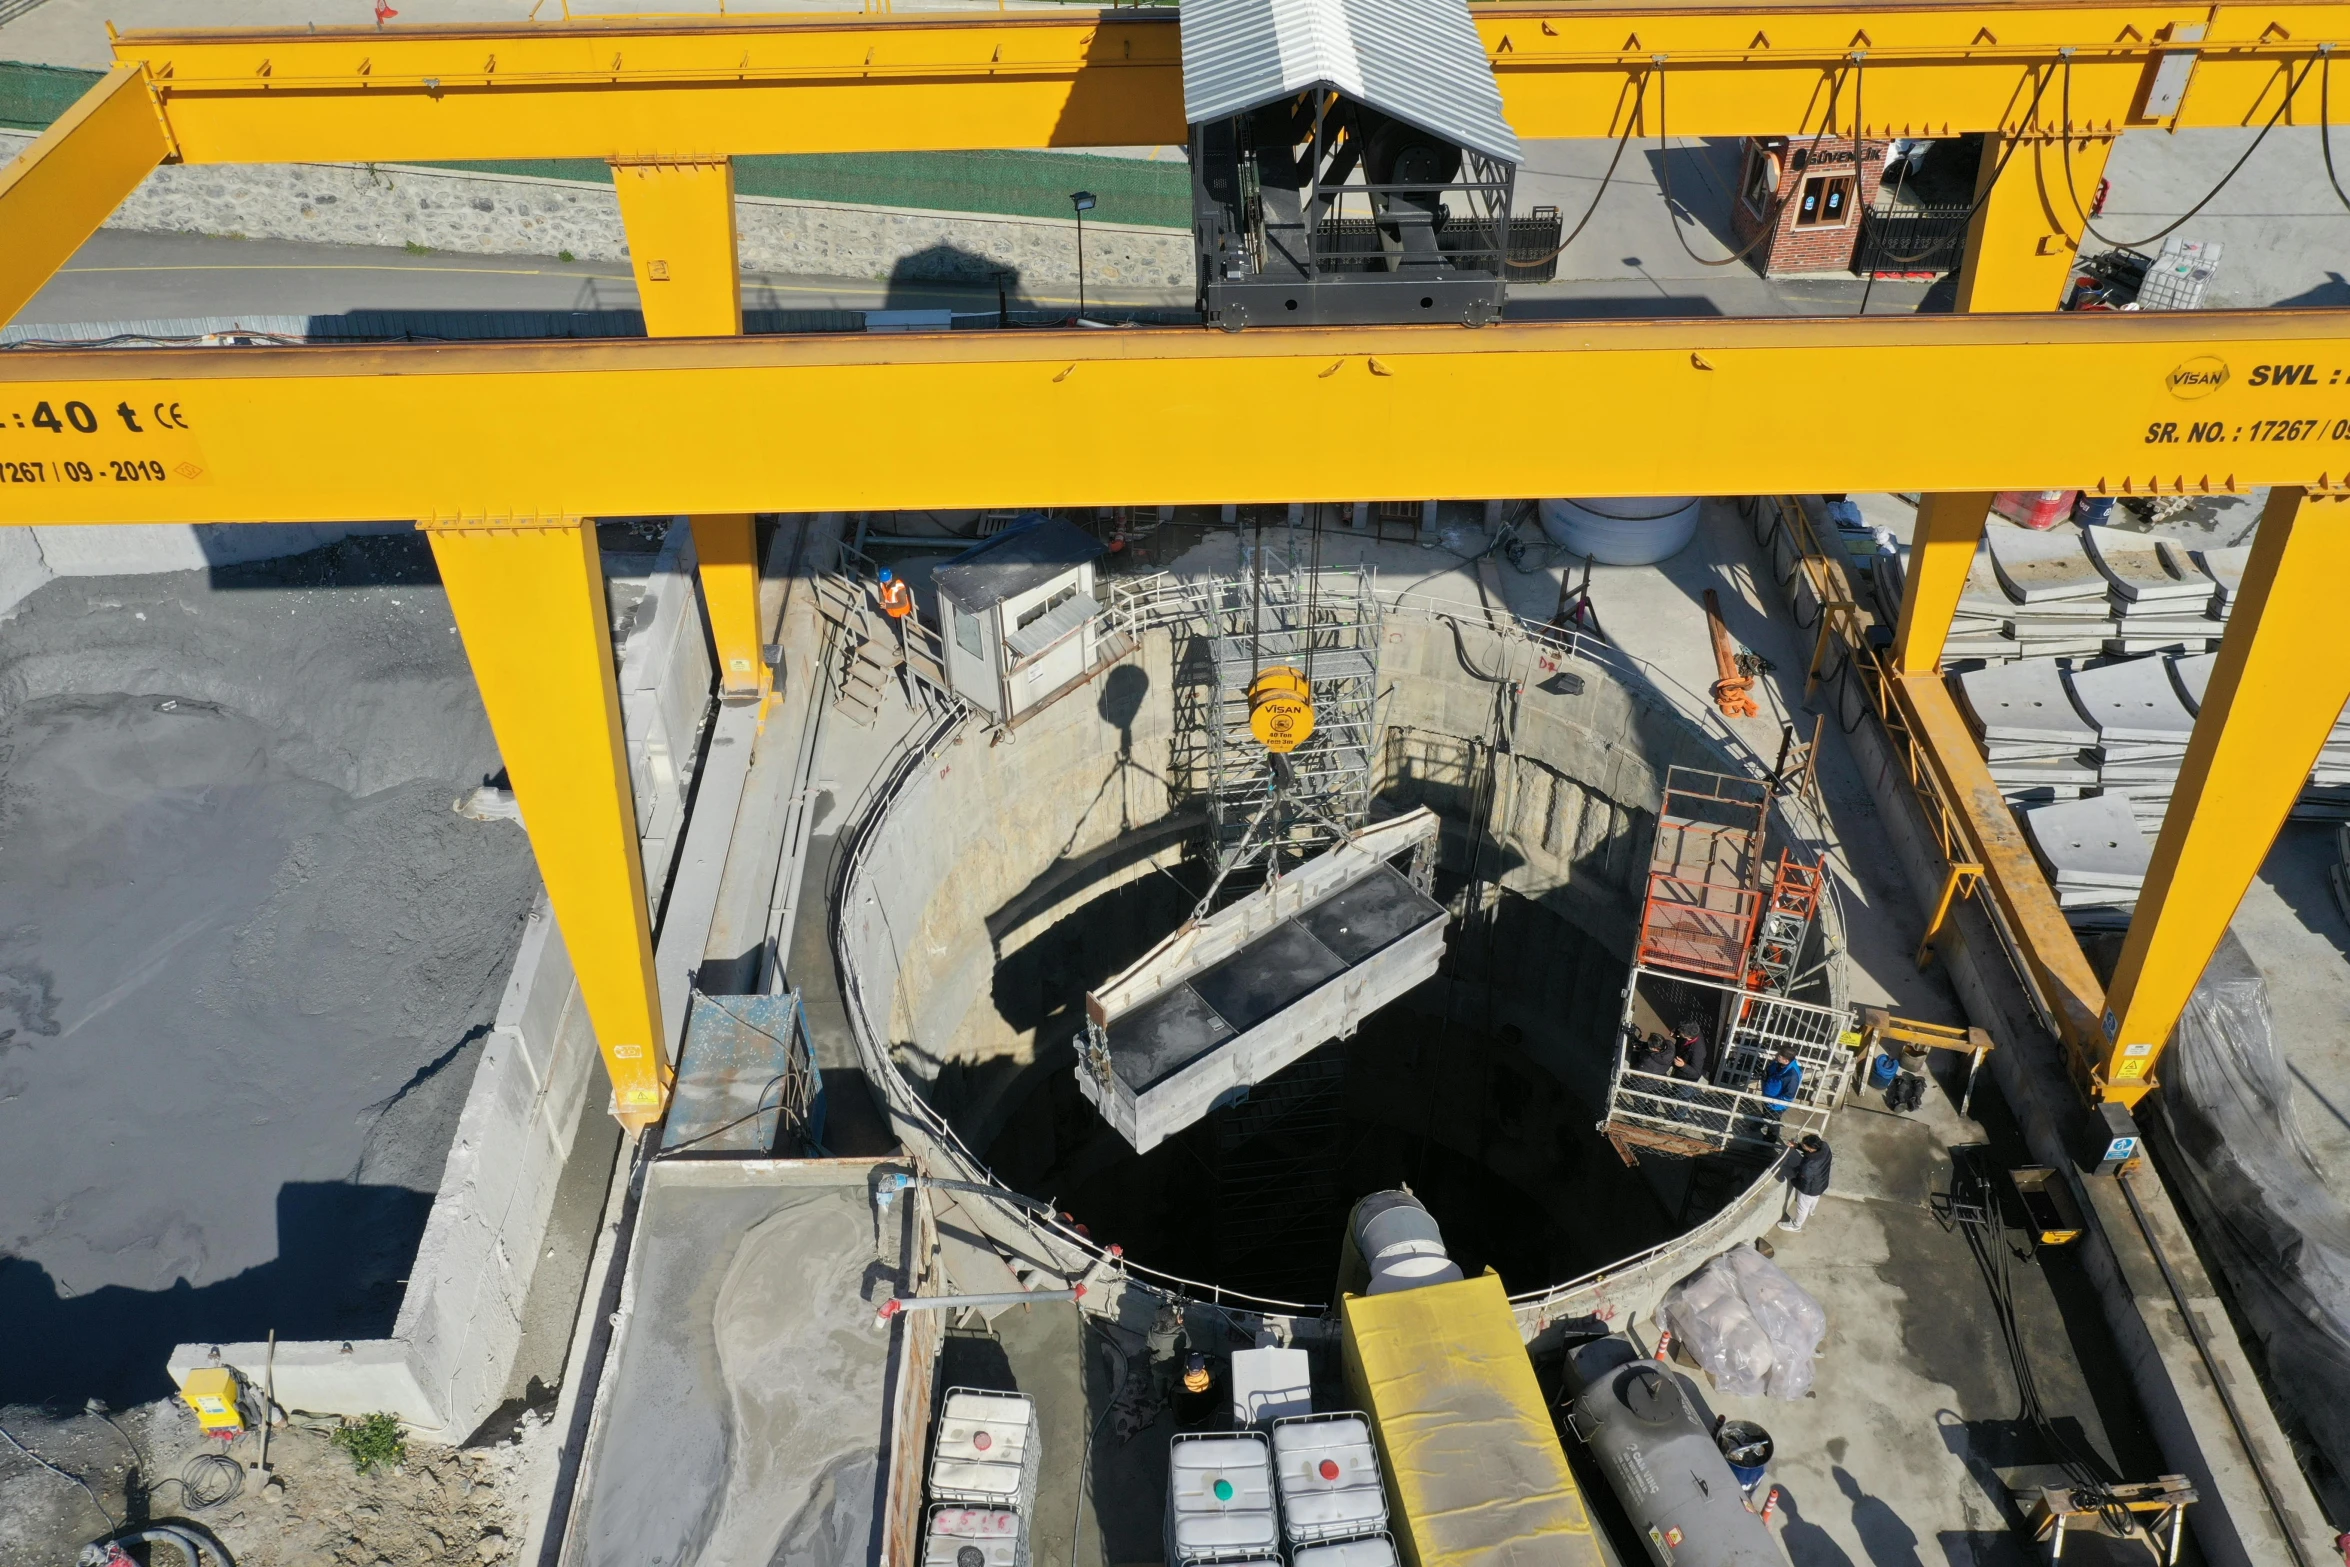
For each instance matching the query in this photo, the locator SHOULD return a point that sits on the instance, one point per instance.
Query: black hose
(1631, 118)
(2325, 110)
(2292, 88)
(1664, 179)
(206, 1481)
(192, 1541)
(1974, 1210)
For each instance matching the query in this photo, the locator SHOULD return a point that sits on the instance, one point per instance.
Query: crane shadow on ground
(344, 1252)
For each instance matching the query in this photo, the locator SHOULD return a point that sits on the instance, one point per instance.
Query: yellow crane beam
(851, 83)
(2189, 401)
(59, 191)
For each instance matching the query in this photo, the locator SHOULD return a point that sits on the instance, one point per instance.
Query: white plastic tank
(1634, 530)
(987, 1451)
(1220, 1498)
(1376, 1550)
(1329, 1474)
(974, 1537)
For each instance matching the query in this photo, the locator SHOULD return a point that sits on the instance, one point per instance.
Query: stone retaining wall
(512, 214)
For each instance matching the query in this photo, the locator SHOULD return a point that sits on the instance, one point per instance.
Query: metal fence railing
(1151, 602)
(1708, 1112)
(1911, 239)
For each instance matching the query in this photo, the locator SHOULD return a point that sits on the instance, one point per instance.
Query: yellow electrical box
(1280, 709)
(212, 1393)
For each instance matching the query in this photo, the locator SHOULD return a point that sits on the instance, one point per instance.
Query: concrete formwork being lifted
(1231, 999)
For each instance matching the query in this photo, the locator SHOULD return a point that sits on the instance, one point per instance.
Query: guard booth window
(967, 634)
(1039, 610)
(1825, 198)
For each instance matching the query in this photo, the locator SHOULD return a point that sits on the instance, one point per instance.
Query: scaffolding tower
(1326, 624)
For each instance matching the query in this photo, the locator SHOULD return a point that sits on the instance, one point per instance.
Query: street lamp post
(1082, 200)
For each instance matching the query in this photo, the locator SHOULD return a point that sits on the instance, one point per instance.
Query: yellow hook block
(1280, 709)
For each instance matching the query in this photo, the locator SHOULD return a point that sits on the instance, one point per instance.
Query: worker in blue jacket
(1782, 1080)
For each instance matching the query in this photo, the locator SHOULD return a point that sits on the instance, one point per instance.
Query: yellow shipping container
(1475, 1473)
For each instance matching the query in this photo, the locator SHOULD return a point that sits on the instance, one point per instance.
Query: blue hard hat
(888, 575)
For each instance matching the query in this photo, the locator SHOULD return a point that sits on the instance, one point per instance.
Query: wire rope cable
(2325, 118)
(1631, 119)
(1664, 176)
(2284, 102)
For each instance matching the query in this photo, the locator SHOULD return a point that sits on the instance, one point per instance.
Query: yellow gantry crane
(503, 452)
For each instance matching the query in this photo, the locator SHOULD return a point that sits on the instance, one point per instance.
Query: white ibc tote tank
(1637, 530)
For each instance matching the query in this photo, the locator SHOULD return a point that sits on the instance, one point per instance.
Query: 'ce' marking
(171, 418)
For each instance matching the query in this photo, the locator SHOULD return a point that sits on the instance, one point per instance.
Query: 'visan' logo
(2198, 377)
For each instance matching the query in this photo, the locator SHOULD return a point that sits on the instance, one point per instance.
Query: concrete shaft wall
(453, 1347)
(979, 848)
(512, 214)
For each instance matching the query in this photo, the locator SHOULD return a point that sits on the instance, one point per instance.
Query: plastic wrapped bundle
(1788, 1315)
(1707, 1312)
(2261, 1200)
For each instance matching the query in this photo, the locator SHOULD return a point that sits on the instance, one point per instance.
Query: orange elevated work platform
(1704, 875)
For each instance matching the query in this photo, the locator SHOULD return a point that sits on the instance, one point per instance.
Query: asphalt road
(121, 275)
(124, 275)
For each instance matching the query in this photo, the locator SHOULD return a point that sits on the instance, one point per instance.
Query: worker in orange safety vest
(897, 600)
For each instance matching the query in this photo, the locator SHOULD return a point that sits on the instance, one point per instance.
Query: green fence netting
(33, 95)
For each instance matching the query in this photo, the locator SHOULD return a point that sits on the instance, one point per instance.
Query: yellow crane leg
(681, 245)
(727, 548)
(59, 190)
(2021, 244)
(680, 222)
(2280, 683)
(2019, 251)
(1941, 548)
(529, 600)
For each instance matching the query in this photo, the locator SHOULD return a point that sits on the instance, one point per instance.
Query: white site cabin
(1018, 616)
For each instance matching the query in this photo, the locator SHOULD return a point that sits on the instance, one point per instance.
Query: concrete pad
(743, 1416)
(2093, 842)
(2132, 700)
(1985, 596)
(2036, 568)
(2025, 702)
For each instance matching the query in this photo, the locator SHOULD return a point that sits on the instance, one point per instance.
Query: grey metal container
(1641, 1423)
